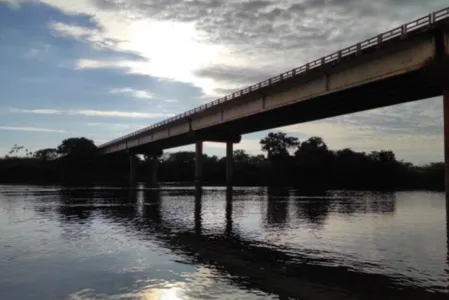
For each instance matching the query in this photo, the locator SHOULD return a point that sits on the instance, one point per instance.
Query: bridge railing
(400, 31)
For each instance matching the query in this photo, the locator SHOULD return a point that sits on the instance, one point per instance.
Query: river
(248, 243)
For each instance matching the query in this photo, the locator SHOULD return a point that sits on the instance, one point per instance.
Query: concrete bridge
(407, 63)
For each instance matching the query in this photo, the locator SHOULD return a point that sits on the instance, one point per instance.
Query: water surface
(251, 243)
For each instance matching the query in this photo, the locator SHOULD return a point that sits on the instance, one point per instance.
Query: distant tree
(313, 162)
(46, 154)
(312, 145)
(77, 147)
(383, 156)
(277, 144)
(240, 156)
(15, 150)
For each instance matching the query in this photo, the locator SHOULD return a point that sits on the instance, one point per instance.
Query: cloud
(31, 53)
(251, 146)
(122, 114)
(37, 111)
(96, 64)
(139, 94)
(91, 35)
(14, 4)
(214, 44)
(31, 129)
(37, 51)
(93, 113)
(126, 127)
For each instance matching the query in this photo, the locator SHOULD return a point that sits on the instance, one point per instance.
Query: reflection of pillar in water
(154, 164)
(228, 230)
(446, 161)
(132, 169)
(153, 211)
(229, 164)
(198, 204)
(446, 138)
(277, 206)
(447, 238)
(198, 164)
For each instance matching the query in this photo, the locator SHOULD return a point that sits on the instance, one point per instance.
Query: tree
(240, 156)
(277, 144)
(46, 154)
(313, 161)
(312, 146)
(80, 147)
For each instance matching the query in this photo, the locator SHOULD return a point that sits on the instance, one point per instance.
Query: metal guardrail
(400, 31)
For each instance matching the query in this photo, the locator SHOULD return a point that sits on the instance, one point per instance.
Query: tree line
(286, 161)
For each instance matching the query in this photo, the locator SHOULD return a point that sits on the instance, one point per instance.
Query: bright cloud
(93, 113)
(170, 50)
(31, 129)
(139, 94)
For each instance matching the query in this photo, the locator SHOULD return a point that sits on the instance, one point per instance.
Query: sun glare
(162, 294)
(172, 49)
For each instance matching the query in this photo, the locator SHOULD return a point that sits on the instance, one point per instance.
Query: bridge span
(407, 63)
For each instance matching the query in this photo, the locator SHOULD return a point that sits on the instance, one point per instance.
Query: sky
(104, 68)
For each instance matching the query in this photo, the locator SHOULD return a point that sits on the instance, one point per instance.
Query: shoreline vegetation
(307, 164)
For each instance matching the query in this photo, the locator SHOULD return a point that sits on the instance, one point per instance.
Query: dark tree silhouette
(312, 167)
(277, 144)
(46, 154)
(81, 147)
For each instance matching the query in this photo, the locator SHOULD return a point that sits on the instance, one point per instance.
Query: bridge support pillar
(446, 138)
(132, 169)
(198, 164)
(229, 163)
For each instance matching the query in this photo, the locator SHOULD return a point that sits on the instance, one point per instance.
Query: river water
(249, 243)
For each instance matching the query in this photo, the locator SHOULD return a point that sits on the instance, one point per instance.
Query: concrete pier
(229, 163)
(198, 164)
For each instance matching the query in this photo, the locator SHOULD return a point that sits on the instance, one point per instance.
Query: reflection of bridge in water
(249, 263)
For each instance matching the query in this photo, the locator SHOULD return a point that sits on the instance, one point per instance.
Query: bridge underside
(416, 85)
